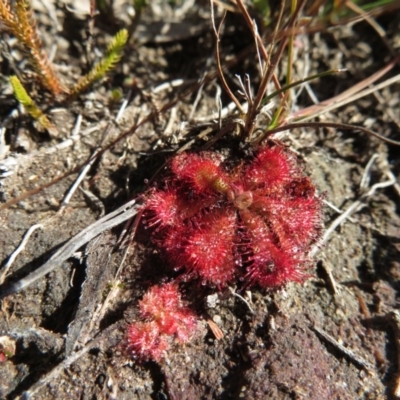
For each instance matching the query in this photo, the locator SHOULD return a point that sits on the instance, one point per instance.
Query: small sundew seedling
(255, 223)
(164, 319)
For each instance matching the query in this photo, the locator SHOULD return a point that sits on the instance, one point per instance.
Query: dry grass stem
(354, 207)
(218, 58)
(127, 211)
(241, 298)
(347, 96)
(21, 246)
(357, 360)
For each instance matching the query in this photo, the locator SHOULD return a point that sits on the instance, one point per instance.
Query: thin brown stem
(218, 59)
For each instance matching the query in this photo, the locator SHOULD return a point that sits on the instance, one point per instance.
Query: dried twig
(396, 185)
(55, 372)
(334, 208)
(348, 96)
(218, 59)
(74, 138)
(241, 298)
(4, 147)
(353, 208)
(77, 182)
(331, 279)
(18, 250)
(338, 126)
(170, 85)
(394, 318)
(367, 173)
(115, 218)
(357, 360)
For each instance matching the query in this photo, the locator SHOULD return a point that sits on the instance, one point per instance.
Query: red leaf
(271, 167)
(207, 250)
(200, 172)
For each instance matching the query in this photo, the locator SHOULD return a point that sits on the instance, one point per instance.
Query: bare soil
(272, 346)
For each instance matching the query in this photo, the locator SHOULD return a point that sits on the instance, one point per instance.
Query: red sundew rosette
(212, 221)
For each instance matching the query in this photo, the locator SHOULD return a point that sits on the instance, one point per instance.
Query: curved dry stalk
(347, 96)
(316, 125)
(354, 358)
(56, 371)
(21, 246)
(301, 81)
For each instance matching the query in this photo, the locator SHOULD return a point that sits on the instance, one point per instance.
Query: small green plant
(30, 106)
(104, 66)
(19, 21)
